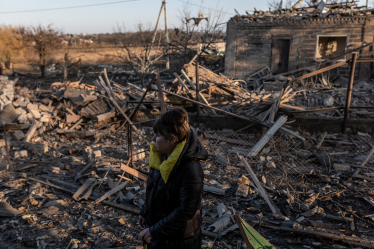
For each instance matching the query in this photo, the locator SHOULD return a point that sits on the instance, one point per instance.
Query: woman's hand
(145, 235)
(141, 221)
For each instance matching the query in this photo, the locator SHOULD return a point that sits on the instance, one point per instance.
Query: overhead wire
(206, 7)
(69, 7)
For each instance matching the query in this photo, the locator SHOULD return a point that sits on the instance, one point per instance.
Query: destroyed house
(286, 40)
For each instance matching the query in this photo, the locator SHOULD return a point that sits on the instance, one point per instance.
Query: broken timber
(260, 188)
(110, 192)
(282, 129)
(263, 141)
(194, 88)
(125, 208)
(364, 162)
(134, 172)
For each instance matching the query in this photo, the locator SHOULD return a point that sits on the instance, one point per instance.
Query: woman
(172, 208)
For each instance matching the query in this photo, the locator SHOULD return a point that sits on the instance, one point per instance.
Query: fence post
(129, 143)
(349, 91)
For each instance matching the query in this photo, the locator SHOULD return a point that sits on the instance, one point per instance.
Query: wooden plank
(110, 192)
(260, 188)
(323, 136)
(364, 162)
(182, 83)
(265, 138)
(133, 172)
(112, 185)
(31, 131)
(214, 190)
(194, 88)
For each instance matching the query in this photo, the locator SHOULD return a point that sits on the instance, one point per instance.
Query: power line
(70, 7)
(207, 8)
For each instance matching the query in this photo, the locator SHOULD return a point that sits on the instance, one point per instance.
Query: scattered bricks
(21, 153)
(35, 114)
(18, 135)
(341, 167)
(2, 143)
(71, 118)
(20, 111)
(32, 107)
(43, 108)
(97, 153)
(138, 155)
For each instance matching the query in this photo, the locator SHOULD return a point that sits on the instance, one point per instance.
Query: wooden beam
(194, 88)
(110, 192)
(133, 172)
(265, 138)
(260, 188)
(160, 93)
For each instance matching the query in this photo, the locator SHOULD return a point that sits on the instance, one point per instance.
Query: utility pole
(155, 32)
(167, 37)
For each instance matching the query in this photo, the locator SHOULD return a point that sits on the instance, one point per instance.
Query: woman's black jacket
(172, 210)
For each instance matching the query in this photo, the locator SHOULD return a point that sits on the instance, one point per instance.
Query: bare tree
(136, 56)
(43, 40)
(201, 28)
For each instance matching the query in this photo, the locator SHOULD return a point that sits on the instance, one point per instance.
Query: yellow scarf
(166, 166)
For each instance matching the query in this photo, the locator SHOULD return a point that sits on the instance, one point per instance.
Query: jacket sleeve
(189, 201)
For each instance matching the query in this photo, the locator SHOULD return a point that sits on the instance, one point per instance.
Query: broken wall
(249, 46)
(6, 91)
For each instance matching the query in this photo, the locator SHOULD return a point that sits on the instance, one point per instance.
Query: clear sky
(104, 18)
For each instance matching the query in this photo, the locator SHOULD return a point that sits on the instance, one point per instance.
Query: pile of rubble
(321, 10)
(74, 177)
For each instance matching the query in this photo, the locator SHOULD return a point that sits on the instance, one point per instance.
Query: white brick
(32, 107)
(35, 114)
(23, 119)
(21, 153)
(20, 111)
(43, 107)
(97, 153)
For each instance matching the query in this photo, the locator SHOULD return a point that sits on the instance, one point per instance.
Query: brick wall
(248, 45)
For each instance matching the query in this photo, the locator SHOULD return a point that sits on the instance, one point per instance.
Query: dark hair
(173, 122)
